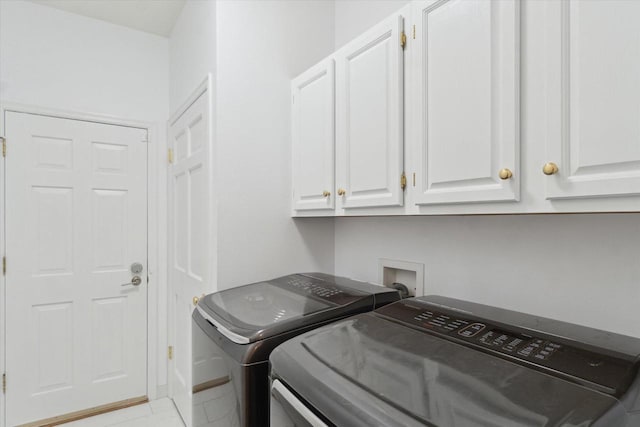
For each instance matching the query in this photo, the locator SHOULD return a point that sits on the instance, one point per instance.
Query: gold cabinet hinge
(4, 146)
(403, 39)
(4, 265)
(414, 32)
(4, 383)
(403, 181)
(170, 352)
(170, 155)
(414, 179)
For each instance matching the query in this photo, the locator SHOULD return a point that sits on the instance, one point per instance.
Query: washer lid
(368, 371)
(263, 309)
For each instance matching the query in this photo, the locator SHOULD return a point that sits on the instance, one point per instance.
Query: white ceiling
(151, 16)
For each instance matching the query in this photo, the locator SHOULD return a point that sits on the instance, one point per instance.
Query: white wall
(353, 17)
(192, 50)
(578, 268)
(63, 61)
(261, 46)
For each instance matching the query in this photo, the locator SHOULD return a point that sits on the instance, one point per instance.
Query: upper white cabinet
(593, 98)
(465, 101)
(459, 77)
(313, 138)
(369, 117)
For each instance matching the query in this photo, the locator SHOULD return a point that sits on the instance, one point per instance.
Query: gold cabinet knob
(341, 192)
(325, 193)
(505, 173)
(550, 168)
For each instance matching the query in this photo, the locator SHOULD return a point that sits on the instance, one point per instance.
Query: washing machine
(437, 361)
(235, 330)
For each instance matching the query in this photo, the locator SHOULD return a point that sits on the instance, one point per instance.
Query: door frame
(156, 236)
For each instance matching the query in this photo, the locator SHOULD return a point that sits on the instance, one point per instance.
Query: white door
(464, 91)
(369, 117)
(313, 137)
(593, 86)
(76, 219)
(190, 228)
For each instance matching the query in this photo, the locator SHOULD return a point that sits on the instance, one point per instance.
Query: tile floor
(157, 413)
(214, 407)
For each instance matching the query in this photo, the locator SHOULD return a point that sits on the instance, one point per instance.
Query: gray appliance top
(436, 361)
(260, 310)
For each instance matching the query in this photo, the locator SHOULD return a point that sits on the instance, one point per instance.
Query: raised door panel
(466, 100)
(313, 137)
(593, 85)
(369, 117)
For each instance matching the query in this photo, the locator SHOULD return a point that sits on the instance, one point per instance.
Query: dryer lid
(262, 304)
(263, 309)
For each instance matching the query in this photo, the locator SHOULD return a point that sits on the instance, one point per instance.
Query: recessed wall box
(410, 274)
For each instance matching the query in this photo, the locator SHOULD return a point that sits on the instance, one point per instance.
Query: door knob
(505, 173)
(341, 192)
(135, 281)
(326, 193)
(550, 168)
(195, 300)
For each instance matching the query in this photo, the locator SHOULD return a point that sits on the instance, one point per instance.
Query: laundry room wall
(580, 268)
(64, 61)
(253, 49)
(353, 17)
(192, 50)
(261, 46)
(56, 59)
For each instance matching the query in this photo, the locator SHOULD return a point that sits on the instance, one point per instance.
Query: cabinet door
(369, 117)
(593, 111)
(465, 91)
(313, 137)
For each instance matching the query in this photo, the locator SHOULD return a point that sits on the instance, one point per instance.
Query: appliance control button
(472, 330)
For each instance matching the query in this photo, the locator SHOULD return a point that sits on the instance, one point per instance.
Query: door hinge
(170, 352)
(403, 181)
(414, 179)
(4, 146)
(403, 39)
(414, 32)
(170, 155)
(4, 265)
(4, 383)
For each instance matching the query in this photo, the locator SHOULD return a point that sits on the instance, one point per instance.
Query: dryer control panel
(600, 370)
